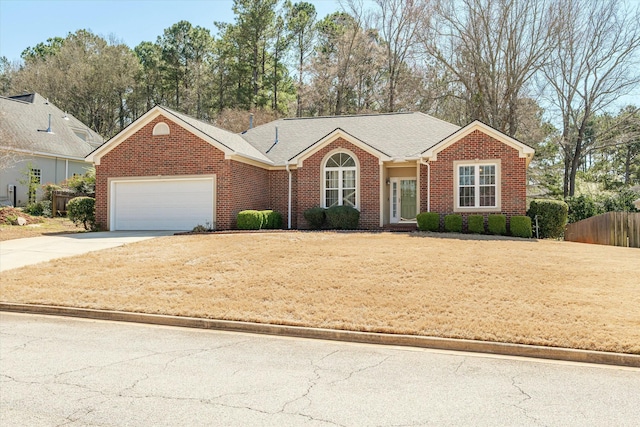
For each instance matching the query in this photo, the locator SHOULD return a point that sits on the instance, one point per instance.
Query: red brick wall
(249, 190)
(309, 184)
(239, 185)
(279, 194)
(476, 145)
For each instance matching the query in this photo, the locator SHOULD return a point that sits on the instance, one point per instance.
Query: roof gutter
(43, 154)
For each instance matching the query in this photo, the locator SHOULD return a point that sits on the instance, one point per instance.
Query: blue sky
(25, 23)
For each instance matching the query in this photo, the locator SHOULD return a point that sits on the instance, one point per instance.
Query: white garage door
(162, 204)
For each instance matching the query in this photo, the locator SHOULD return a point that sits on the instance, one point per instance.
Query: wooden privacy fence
(611, 228)
(59, 202)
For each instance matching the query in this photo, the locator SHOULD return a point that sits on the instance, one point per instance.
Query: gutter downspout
(289, 200)
(428, 164)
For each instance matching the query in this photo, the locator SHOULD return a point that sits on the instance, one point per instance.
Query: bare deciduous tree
(493, 48)
(594, 62)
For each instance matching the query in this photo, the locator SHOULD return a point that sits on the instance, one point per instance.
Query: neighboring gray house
(38, 137)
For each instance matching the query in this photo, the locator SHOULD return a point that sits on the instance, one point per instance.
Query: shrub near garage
(249, 220)
(428, 221)
(81, 210)
(272, 219)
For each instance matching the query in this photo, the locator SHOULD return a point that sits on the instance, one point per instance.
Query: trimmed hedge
(428, 221)
(520, 226)
(343, 217)
(497, 224)
(475, 224)
(255, 220)
(82, 210)
(453, 223)
(250, 220)
(552, 217)
(272, 219)
(315, 217)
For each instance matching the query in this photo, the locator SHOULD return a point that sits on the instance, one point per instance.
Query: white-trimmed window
(340, 186)
(477, 185)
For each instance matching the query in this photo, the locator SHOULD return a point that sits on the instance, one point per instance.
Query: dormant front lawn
(521, 291)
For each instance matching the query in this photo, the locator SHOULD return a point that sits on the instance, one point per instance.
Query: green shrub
(428, 221)
(475, 224)
(272, 219)
(552, 217)
(250, 220)
(497, 224)
(315, 217)
(343, 217)
(41, 208)
(48, 189)
(82, 184)
(520, 226)
(583, 207)
(453, 223)
(621, 201)
(81, 210)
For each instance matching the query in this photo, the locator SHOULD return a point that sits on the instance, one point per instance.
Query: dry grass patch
(36, 225)
(547, 292)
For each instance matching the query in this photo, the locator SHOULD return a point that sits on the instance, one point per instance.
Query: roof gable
(524, 151)
(331, 137)
(229, 143)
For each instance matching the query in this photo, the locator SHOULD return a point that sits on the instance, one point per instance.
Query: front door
(403, 199)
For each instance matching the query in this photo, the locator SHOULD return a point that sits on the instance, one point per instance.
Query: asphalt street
(62, 371)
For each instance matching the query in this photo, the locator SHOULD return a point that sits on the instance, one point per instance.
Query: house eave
(524, 151)
(299, 158)
(43, 154)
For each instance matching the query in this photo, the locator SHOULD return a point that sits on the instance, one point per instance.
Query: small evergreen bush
(428, 221)
(453, 223)
(272, 219)
(475, 224)
(520, 226)
(81, 210)
(41, 208)
(343, 217)
(552, 217)
(497, 224)
(250, 220)
(315, 217)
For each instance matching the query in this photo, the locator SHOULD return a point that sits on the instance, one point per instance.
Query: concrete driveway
(77, 372)
(32, 250)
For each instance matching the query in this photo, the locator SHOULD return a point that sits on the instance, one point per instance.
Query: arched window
(161, 129)
(340, 187)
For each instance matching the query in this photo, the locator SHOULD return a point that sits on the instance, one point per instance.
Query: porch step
(401, 227)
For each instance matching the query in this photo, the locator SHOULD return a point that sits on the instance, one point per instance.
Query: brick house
(171, 171)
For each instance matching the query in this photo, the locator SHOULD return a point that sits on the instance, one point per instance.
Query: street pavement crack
(357, 371)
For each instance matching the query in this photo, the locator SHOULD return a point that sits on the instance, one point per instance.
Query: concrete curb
(507, 349)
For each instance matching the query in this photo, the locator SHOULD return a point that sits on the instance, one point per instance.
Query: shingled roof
(24, 121)
(398, 135)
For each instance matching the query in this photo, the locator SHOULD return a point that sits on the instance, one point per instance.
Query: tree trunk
(627, 166)
(299, 99)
